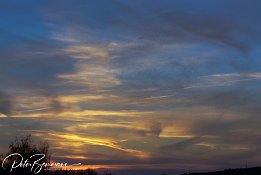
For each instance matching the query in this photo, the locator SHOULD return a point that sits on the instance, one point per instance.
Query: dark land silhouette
(26, 147)
(238, 171)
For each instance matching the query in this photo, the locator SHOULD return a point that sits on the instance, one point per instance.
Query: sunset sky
(139, 87)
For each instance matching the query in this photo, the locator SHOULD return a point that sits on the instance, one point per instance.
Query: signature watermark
(35, 163)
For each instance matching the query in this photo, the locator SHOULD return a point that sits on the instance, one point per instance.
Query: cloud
(6, 104)
(88, 52)
(182, 145)
(156, 129)
(99, 142)
(92, 67)
(227, 79)
(23, 73)
(183, 23)
(118, 130)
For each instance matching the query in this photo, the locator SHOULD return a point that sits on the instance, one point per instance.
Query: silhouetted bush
(26, 147)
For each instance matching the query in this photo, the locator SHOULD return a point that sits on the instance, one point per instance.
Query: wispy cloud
(227, 79)
(150, 84)
(92, 67)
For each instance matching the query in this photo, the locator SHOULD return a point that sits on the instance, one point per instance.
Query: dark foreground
(239, 171)
(56, 172)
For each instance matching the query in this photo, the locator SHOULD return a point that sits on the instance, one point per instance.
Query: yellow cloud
(92, 76)
(81, 98)
(208, 145)
(72, 156)
(92, 67)
(88, 51)
(83, 114)
(100, 142)
(2, 115)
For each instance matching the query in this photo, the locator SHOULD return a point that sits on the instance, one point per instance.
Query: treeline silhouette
(53, 172)
(26, 148)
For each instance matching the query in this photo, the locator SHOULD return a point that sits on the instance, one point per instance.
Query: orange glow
(101, 142)
(80, 167)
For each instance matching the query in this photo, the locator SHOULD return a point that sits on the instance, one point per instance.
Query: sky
(138, 87)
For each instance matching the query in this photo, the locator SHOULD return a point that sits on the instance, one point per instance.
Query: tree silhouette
(26, 148)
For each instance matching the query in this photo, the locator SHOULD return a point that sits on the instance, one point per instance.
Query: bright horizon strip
(131, 166)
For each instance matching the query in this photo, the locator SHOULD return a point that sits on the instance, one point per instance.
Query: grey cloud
(28, 87)
(181, 145)
(225, 98)
(5, 104)
(155, 129)
(56, 106)
(30, 66)
(176, 25)
(211, 29)
(119, 132)
(242, 100)
(236, 131)
(179, 26)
